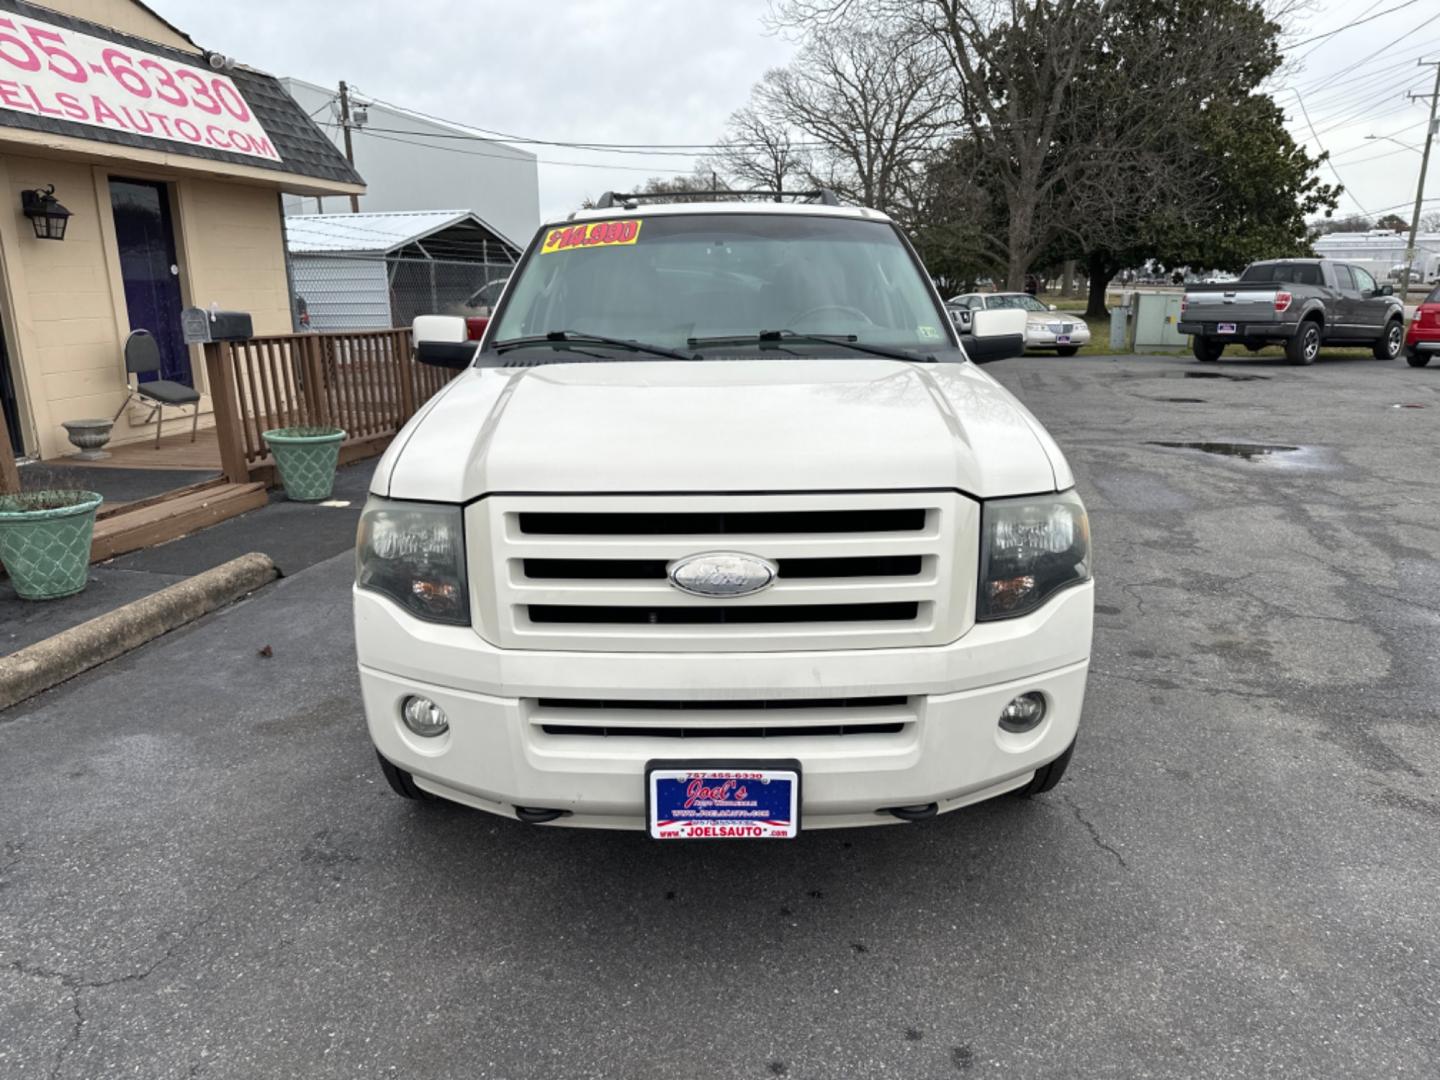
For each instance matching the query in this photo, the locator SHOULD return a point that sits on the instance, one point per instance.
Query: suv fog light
(1024, 713)
(424, 717)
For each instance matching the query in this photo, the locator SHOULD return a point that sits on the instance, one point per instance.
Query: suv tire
(1047, 776)
(1390, 344)
(1206, 349)
(401, 782)
(1416, 358)
(1304, 346)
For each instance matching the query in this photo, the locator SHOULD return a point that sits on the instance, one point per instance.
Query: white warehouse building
(1382, 252)
(410, 162)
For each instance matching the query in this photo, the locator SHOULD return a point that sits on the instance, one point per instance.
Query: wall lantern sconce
(45, 213)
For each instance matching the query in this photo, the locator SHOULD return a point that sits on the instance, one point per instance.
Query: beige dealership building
(171, 161)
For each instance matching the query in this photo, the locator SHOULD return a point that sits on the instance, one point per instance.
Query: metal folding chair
(142, 355)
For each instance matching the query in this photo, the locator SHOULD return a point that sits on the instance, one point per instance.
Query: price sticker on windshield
(596, 234)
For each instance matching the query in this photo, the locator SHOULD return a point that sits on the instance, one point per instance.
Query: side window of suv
(1343, 278)
(1363, 281)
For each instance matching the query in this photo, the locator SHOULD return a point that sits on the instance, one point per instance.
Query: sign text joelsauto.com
(51, 71)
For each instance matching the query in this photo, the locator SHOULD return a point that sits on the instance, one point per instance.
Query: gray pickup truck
(1300, 302)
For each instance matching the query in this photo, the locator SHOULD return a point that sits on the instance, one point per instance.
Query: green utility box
(1157, 321)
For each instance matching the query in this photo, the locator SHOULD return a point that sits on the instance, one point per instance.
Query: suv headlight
(1030, 549)
(414, 553)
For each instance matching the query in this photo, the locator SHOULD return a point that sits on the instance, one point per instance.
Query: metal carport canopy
(459, 235)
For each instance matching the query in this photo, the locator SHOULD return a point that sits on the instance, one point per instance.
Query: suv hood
(720, 425)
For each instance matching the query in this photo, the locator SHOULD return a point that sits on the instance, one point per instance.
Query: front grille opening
(796, 731)
(723, 704)
(904, 611)
(655, 569)
(723, 523)
(790, 728)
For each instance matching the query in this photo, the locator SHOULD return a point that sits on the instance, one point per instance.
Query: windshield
(671, 279)
(1023, 301)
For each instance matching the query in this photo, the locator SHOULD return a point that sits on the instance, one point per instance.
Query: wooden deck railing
(364, 381)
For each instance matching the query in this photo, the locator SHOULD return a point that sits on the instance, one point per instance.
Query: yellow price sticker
(595, 234)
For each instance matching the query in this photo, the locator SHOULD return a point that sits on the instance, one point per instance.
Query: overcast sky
(671, 71)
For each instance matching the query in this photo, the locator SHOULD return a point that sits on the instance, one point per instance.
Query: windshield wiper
(775, 337)
(555, 338)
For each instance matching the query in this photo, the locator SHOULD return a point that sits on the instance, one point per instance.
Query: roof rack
(630, 200)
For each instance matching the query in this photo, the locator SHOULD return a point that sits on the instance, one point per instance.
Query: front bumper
(497, 756)
(1039, 338)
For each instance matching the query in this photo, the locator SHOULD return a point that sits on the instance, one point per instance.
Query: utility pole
(1424, 167)
(349, 146)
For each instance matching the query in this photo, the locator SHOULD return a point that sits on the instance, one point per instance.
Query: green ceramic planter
(47, 552)
(306, 458)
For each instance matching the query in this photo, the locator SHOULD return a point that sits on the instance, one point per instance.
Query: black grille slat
(722, 704)
(655, 569)
(595, 569)
(801, 731)
(903, 611)
(723, 523)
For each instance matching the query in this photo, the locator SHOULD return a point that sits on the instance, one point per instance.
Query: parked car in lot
(1302, 303)
(1045, 327)
(718, 532)
(1422, 339)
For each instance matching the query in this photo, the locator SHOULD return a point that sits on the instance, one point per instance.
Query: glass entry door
(146, 239)
(9, 395)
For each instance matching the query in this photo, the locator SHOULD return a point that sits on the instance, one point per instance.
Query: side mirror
(1385, 290)
(995, 335)
(443, 341)
(1053, 307)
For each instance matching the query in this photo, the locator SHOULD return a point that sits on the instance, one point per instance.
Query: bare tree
(758, 151)
(1070, 103)
(870, 102)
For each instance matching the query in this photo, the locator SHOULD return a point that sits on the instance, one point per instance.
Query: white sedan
(1045, 327)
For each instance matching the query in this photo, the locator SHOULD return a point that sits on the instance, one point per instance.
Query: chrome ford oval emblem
(722, 573)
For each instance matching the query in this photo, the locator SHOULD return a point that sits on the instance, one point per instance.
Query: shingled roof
(304, 150)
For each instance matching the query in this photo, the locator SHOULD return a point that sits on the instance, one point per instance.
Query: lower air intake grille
(723, 719)
(722, 616)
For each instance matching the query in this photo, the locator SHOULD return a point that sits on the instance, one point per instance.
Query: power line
(564, 143)
(595, 147)
(506, 157)
(1362, 14)
(1333, 170)
(1357, 22)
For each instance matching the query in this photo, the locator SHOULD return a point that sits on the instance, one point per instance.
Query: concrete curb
(47, 663)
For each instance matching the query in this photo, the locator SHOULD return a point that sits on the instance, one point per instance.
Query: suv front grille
(590, 573)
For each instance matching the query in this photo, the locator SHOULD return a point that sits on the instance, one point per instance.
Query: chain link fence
(376, 292)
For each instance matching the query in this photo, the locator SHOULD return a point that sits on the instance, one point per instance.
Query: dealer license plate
(686, 800)
(1225, 328)
(1063, 339)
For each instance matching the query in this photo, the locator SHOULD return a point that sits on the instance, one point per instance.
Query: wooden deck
(175, 452)
(154, 521)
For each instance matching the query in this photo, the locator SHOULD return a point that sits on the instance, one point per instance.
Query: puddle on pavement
(1184, 400)
(1224, 375)
(1244, 451)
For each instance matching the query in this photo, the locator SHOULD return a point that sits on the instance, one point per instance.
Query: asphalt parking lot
(203, 874)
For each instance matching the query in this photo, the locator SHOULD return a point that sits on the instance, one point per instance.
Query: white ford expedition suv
(720, 533)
